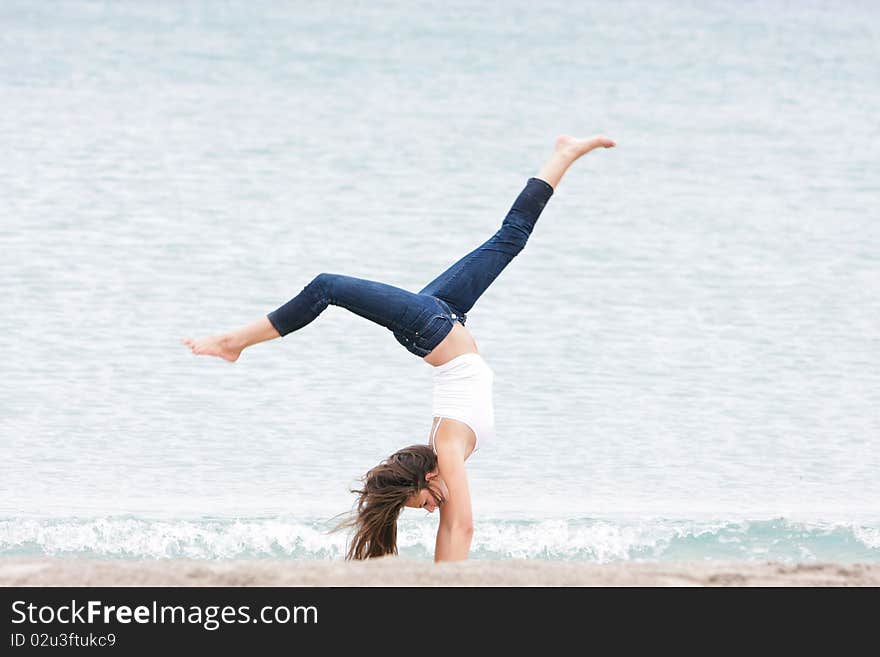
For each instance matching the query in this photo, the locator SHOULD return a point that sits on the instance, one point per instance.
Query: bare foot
(576, 147)
(215, 345)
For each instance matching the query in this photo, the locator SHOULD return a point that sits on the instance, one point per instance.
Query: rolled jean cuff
(540, 187)
(273, 320)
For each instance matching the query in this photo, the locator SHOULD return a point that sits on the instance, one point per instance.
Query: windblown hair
(385, 491)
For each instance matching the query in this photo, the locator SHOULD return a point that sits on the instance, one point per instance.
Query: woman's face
(426, 498)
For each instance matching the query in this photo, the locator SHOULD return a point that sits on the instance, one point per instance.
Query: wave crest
(587, 539)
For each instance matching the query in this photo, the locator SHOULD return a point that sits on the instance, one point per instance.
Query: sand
(396, 571)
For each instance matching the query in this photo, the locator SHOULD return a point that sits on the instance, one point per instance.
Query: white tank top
(463, 392)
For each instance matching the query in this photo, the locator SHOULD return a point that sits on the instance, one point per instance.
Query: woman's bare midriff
(457, 342)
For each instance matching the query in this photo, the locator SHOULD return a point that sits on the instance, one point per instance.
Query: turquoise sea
(686, 355)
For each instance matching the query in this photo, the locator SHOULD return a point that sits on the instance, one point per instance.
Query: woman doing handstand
(431, 325)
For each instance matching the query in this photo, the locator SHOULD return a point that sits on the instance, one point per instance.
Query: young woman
(431, 325)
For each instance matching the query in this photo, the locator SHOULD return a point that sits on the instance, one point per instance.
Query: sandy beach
(395, 571)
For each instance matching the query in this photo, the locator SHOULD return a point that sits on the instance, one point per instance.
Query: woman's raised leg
(462, 284)
(386, 305)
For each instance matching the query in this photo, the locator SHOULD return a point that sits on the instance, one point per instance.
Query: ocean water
(686, 353)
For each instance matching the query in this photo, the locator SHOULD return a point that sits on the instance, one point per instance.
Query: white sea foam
(868, 536)
(591, 540)
(125, 537)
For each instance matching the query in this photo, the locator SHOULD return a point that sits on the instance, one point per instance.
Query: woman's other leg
(462, 284)
(383, 304)
(465, 281)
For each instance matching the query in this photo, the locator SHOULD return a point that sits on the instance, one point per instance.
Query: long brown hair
(386, 488)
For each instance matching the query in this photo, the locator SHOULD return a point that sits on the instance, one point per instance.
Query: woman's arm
(456, 520)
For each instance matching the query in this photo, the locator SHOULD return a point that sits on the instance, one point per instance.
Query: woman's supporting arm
(456, 519)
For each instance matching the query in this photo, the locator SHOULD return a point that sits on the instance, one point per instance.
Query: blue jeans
(420, 321)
